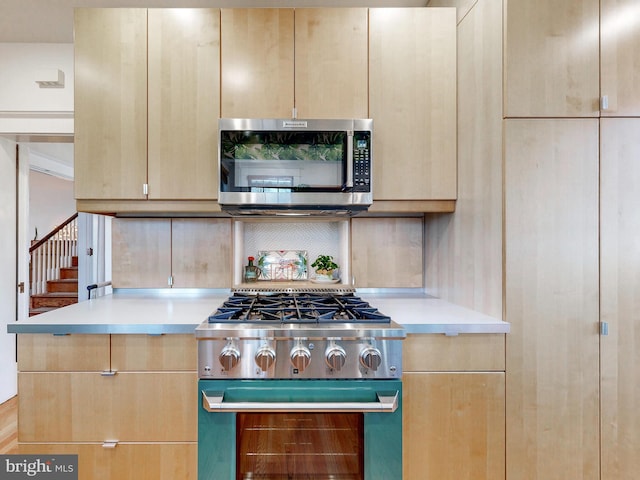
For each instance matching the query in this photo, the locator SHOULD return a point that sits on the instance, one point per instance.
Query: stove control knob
(300, 357)
(229, 356)
(265, 357)
(370, 358)
(335, 357)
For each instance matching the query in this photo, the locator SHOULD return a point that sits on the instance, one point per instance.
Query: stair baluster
(54, 268)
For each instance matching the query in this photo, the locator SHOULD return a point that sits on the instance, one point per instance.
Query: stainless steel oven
(299, 391)
(295, 166)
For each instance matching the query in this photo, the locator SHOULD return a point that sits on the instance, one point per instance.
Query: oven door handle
(214, 402)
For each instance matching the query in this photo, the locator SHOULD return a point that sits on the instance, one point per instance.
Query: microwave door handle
(349, 183)
(386, 402)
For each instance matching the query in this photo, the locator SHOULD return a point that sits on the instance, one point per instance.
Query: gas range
(306, 334)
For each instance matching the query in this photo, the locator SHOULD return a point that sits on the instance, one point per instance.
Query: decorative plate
(283, 265)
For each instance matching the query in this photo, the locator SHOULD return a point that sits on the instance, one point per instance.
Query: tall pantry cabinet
(571, 356)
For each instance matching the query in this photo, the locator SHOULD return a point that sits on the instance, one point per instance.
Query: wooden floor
(9, 426)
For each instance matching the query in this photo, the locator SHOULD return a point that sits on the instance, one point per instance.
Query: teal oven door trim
(379, 400)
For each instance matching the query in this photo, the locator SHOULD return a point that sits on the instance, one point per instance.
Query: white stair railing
(55, 251)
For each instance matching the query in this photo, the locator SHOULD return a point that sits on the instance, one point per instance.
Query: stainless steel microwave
(295, 167)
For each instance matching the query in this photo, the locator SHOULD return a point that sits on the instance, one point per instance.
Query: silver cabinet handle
(214, 402)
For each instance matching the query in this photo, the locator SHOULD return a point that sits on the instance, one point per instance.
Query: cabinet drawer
(157, 461)
(89, 407)
(440, 353)
(154, 353)
(453, 426)
(46, 352)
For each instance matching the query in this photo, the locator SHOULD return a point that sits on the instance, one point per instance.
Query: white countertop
(181, 311)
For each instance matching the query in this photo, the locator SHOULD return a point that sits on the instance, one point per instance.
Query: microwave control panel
(362, 161)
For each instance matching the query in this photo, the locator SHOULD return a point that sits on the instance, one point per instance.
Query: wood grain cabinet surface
(562, 58)
(620, 297)
(146, 104)
(551, 59)
(412, 100)
(139, 423)
(310, 59)
(453, 407)
(552, 298)
(620, 57)
(194, 252)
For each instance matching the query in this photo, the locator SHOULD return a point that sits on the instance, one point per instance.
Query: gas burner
(289, 307)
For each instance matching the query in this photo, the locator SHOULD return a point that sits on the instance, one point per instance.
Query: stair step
(37, 311)
(68, 273)
(53, 299)
(63, 285)
(74, 261)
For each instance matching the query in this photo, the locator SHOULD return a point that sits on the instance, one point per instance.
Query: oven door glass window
(300, 446)
(275, 161)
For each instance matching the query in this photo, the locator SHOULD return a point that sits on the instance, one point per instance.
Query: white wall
(8, 368)
(24, 106)
(50, 202)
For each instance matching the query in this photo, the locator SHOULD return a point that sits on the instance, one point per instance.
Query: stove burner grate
(296, 308)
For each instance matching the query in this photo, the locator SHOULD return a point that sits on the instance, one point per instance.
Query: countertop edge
(450, 329)
(104, 329)
(168, 329)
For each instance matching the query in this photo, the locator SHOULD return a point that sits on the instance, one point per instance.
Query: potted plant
(325, 267)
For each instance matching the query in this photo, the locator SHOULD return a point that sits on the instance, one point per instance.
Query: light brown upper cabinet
(257, 62)
(552, 58)
(110, 137)
(331, 63)
(620, 57)
(412, 100)
(278, 59)
(178, 253)
(146, 103)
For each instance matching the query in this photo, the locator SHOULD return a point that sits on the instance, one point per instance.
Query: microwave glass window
(283, 161)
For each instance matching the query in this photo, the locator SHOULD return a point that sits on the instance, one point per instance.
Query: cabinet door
(127, 461)
(387, 252)
(331, 62)
(257, 62)
(551, 271)
(184, 103)
(453, 426)
(551, 58)
(620, 297)
(110, 103)
(201, 253)
(141, 250)
(412, 100)
(620, 57)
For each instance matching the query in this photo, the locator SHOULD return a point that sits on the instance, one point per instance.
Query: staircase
(60, 292)
(53, 269)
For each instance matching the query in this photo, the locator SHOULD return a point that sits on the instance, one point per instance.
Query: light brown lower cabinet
(126, 461)
(453, 415)
(90, 407)
(125, 404)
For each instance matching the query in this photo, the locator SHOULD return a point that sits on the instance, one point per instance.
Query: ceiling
(51, 21)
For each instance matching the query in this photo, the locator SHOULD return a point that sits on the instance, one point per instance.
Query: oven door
(259, 429)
